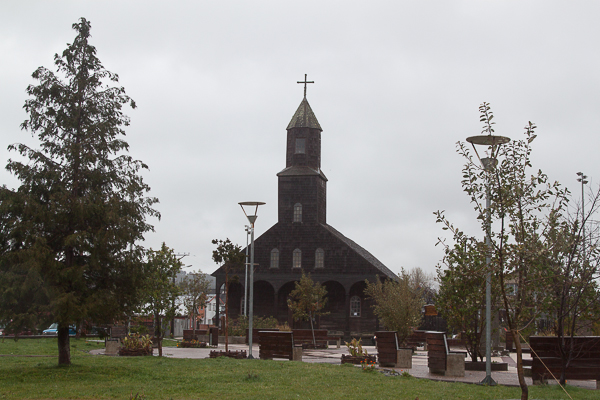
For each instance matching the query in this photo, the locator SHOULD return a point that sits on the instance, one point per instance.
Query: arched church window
(300, 146)
(297, 212)
(274, 258)
(319, 258)
(297, 258)
(355, 306)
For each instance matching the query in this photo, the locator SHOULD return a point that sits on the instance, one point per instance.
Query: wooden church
(302, 240)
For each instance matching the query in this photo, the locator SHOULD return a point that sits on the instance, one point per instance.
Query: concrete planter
(404, 358)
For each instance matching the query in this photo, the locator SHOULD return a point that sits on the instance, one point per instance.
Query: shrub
(136, 344)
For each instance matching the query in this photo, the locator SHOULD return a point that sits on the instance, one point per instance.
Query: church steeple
(304, 117)
(302, 184)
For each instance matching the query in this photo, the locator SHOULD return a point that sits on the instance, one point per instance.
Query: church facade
(302, 241)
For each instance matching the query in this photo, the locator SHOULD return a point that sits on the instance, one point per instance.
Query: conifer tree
(81, 205)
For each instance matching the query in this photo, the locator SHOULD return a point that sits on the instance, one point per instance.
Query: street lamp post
(247, 229)
(489, 163)
(582, 178)
(251, 219)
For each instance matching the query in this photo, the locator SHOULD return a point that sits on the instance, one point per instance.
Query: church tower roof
(304, 117)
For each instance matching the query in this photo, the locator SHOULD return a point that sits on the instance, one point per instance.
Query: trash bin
(213, 336)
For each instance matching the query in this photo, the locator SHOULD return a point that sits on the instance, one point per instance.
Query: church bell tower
(302, 184)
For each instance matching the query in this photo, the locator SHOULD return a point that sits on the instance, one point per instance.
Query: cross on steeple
(305, 82)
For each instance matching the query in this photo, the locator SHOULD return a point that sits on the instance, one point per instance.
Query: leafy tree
(521, 202)
(307, 301)
(574, 266)
(160, 289)
(81, 207)
(461, 296)
(397, 303)
(230, 255)
(194, 290)
(424, 283)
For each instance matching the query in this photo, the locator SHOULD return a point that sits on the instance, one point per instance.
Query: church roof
(385, 271)
(301, 170)
(304, 117)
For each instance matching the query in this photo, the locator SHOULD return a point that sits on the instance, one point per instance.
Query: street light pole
(489, 163)
(251, 219)
(582, 178)
(247, 229)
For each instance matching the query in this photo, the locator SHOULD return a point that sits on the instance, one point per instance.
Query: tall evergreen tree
(81, 207)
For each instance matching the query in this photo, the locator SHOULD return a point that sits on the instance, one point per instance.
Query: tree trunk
(194, 325)
(226, 310)
(522, 383)
(64, 346)
(313, 330)
(158, 333)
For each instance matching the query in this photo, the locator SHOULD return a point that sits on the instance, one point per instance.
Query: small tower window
(300, 146)
(297, 212)
(319, 258)
(297, 259)
(274, 258)
(355, 306)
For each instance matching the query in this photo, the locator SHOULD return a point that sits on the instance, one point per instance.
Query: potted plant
(136, 345)
(357, 353)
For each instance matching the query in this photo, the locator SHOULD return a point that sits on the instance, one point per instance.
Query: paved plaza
(419, 369)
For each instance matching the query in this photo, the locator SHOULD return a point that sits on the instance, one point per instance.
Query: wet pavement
(419, 369)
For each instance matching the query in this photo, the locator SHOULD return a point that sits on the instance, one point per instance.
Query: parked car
(53, 330)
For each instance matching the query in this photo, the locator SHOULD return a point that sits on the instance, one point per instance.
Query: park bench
(417, 339)
(255, 333)
(389, 353)
(275, 344)
(190, 334)
(304, 337)
(335, 336)
(112, 343)
(440, 359)
(547, 361)
(510, 344)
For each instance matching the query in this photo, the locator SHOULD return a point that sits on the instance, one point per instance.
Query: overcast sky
(397, 84)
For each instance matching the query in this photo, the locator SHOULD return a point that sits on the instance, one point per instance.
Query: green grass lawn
(101, 377)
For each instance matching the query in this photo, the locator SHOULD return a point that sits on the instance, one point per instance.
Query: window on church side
(297, 212)
(355, 306)
(297, 259)
(300, 146)
(319, 258)
(274, 258)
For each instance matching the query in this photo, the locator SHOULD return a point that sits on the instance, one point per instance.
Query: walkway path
(419, 368)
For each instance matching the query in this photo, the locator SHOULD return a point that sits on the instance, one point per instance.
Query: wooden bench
(304, 337)
(189, 335)
(417, 339)
(255, 333)
(274, 344)
(585, 364)
(335, 336)
(389, 353)
(440, 359)
(118, 331)
(113, 343)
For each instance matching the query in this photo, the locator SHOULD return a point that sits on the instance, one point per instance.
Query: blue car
(53, 330)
